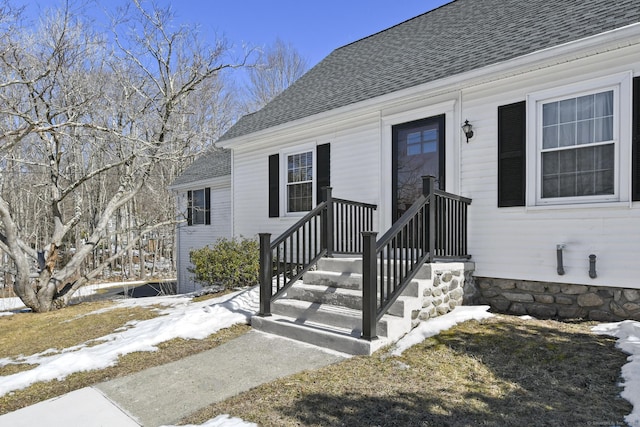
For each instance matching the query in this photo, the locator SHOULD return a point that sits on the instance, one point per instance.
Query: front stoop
(324, 309)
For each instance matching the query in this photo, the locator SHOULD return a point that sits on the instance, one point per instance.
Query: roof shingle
(460, 36)
(213, 164)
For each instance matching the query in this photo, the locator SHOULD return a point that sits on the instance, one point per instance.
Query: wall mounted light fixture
(467, 129)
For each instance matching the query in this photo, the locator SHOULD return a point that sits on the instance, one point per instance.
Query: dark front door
(418, 150)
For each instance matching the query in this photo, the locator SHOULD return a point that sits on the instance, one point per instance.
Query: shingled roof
(213, 164)
(460, 36)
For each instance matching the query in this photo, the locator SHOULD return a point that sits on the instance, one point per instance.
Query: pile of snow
(628, 334)
(10, 304)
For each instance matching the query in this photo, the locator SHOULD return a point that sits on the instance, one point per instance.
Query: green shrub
(229, 263)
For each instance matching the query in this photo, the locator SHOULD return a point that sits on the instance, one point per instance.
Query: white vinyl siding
(520, 242)
(199, 236)
(353, 180)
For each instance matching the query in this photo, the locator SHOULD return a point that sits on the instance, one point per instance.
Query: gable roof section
(460, 36)
(213, 164)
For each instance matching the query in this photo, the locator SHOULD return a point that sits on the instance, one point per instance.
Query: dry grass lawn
(503, 371)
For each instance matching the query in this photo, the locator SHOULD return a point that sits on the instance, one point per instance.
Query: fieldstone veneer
(558, 300)
(447, 291)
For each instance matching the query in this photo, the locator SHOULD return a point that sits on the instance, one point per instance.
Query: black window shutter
(324, 170)
(274, 186)
(512, 145)
(635, 142)
(189, 208)
(207, 206)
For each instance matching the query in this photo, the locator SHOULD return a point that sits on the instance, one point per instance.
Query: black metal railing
(332, 227)
(435, 226)
(350, 219)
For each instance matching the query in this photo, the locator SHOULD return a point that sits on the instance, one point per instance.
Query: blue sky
(314, 28)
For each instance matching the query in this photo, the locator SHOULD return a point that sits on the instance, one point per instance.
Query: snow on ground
(184, 318)
(628, 334)
(10, 304)
(87, 290)
(222, 421)
(438, 324)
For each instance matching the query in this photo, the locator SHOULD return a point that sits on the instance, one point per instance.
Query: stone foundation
(557, 300)
(447, 291)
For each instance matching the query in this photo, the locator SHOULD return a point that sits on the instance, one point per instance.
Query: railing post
(266, 270)
(428, 184)
(369, 286)
(428, 187)
(327, 225)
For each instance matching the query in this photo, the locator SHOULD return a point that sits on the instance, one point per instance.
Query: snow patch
(438, 324)
(182, 319)
(628, 334)
(222, 421)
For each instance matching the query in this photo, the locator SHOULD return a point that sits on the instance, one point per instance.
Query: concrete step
(352, 298)
(323, 294)
(347, 298)
(354, 265)
(337, 339)
(415, 288)
(351, 281)
(314, 312)
(324, 308)
(303, 312)
(341, 265)
(405, 306)
(346, 280)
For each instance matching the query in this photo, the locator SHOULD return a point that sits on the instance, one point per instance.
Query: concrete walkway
(165, 394)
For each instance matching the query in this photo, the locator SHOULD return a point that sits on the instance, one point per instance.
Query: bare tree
(88, 127)
(278, 67)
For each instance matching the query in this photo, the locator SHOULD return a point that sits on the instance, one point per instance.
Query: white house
(552, 91)
(203, 193)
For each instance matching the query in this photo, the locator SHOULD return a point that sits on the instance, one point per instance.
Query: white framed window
(576, 137)
(299, 180)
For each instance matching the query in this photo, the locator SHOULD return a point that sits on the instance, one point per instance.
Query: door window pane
(422, 142)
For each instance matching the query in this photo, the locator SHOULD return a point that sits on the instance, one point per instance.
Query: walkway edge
(86, 407)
